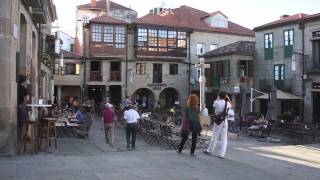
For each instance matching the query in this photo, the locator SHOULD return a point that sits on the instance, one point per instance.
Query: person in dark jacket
(190, 123)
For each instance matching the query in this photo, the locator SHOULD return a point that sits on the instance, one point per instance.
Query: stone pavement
(92, 159)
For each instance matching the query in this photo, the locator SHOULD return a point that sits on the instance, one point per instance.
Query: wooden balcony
(115, 76)
(95, 76)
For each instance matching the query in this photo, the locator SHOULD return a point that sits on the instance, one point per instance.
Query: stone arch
(144, 96)
(168, 97)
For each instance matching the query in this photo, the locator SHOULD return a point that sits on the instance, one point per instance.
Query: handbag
(221, 116)
(186, 125)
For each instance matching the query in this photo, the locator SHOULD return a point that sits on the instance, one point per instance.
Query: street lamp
(202, 81)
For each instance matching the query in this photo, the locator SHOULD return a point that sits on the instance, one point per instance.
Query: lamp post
(202, 81)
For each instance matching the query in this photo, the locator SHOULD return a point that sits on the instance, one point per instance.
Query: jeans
(185, 138)
(131, 130)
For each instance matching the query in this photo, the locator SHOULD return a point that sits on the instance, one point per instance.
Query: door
(316, 107)
(157, 73)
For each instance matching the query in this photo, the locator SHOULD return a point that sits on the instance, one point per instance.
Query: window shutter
(226, 68)
(250, 68)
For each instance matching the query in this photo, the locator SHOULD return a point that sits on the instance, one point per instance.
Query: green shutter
(226, 68)
(268, 53)
(288, 51)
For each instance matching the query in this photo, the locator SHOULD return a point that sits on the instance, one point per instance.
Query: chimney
(108, 6)
(284, 16)
(93, 3)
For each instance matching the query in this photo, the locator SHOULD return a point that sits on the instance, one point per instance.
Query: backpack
(221, 116)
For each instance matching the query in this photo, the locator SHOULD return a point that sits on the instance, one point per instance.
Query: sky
(248, 13)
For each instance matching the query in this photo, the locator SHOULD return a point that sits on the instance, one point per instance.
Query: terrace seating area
(166, 132)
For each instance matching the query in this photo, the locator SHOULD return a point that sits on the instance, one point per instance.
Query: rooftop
(288, 19)
(239, 47)
(108, 19)
(191, 18)
(102, 5)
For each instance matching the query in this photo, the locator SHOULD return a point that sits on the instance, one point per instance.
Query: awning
(281, 96)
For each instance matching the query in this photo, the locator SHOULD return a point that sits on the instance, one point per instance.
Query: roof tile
(188, 17)
(239, 47)
(108, 19)
(102, 5)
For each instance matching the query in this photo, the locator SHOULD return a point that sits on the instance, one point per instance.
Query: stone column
(9, 26)
(59, 95)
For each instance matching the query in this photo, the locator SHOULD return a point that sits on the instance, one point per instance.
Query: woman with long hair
(190, 123)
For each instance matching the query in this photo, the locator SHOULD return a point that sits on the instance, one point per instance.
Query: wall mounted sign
(157, 86)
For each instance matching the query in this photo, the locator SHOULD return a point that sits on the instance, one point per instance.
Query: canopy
(281, 96)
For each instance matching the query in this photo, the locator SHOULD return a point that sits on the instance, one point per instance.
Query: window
(288, 43)
(71, 69)
(56, 68)
(111, 35)
(200, 49)
(120, 36)
(85, 19)
(245, 68)
(173, 69)
(152, 39)
(96, 33)
(213, 46)
(268, 46)
(141, 68)
(172, 39)
(316, 49)
(279, 72)
(163, 35)
(182, 40)
(108, 35)
(142, 37)
(157, 73)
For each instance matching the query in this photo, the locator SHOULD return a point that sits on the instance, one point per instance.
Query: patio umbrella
(272, 106)
(243, 108)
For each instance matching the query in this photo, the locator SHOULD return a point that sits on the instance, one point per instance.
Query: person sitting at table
(79, 115)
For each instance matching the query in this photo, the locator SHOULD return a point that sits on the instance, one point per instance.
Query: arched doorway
(168, 97)
(144, 97)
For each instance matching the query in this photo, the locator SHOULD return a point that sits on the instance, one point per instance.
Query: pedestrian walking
(220, 127)
(108, 118)
(131, 117)
(190, 123)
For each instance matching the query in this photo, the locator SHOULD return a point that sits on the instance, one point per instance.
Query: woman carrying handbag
(190, 123)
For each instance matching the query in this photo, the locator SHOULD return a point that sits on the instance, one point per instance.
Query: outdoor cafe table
(37, 121)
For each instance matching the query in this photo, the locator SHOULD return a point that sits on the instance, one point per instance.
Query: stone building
(231, 67)
(95, 9)
(288, 57)
(106, 46)
(25, 50)
(68, 77)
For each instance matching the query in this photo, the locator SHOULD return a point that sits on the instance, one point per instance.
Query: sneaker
(206, 152)
(178, 151)
(219, 156)
(193, 155)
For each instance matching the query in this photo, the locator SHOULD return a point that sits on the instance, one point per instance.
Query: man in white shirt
(131, 116)
(221, 129)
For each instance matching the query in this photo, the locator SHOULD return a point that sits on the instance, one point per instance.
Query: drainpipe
(189, 68)
(302, 27)
(126, 90)
(83, 61)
